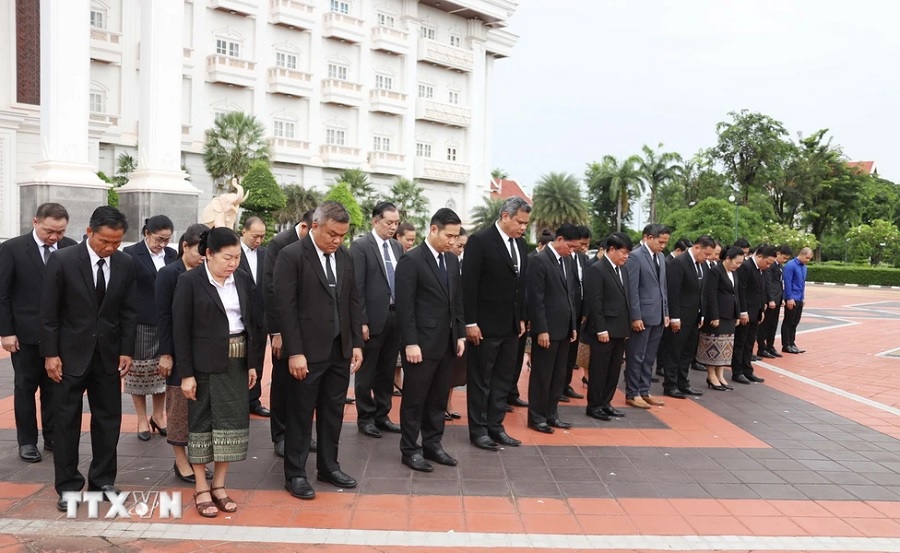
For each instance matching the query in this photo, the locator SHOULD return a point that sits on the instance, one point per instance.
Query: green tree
(264, 197)
(620, 180)
(601, 204)
(498, 173)
(340, 193)
(557, 200)
(235, 141)
(781, 235)
(878, 199)
(874, 242)
(717, 218)
(364, 192)
(411, 202)
(657, 169)
(298, 200)
(750, 146)
(486, 214)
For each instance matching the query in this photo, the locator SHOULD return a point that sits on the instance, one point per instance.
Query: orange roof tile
(505, 188)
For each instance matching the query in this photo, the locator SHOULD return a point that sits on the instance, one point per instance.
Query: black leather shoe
(509, 409)
(765, 353)
(556, 423)
(337, 478)
(388, 426)
(300, 488)
(612, 411)
(186, 477)
(261, 411)
(417, 462)
(349, 400)
(518, 402)
(370, 430)
(654, 379)
(106, 489)
(440, 456)
(279, 448)
(755, 358)
(542, 427)
(598, 414)
(798, 349)
(62, 506)
(144, 436)
(484, 442)
(48, 445)
(29, 453)
(674, 393)
(754, 378)
(792, 349)
(570, 392)
(503, 438)
(564, 399)
(741, 379)
(774, 353)
(690, 391)
(697, 367)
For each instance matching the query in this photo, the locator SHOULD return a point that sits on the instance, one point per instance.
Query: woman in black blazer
(720, 313)
(150, 255)
(189, 257)
(213, 325)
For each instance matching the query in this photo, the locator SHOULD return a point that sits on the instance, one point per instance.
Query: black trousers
(374, 381)
(105, 399)
(547, 380)
(28, 366)
(323, 391)
(765, 335)
(605, 370)
(426, 386)
(257, 360)
(278, 397)
(520, 359)
(677, 351)
(789, 326)
(744, 338)
(489, 377)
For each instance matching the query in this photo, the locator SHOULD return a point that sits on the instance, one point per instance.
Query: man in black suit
(375, 258)
(88, 326)
(321, 329)
(765, 338)
(23, 263)
(494, 296)
(580, 263)
(684, 281)
(752, 300)
(277, 398)
(550, 282)
(253, 262)
(430, 312)
(607, 324)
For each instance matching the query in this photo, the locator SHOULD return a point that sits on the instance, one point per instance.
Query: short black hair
(742, 243)
(731, 252)
(156, 224)
(656, 230)
(307, 217)
(445, 216)
(191, 237)
(568, 231)
(766, 250)
(109, 217)
(381, 207)
(52, 210)
(705, 241)
(403, 228)
(617, 241)
(546, 237)
(786, 250)
(462, 231)
(583, 231)
(214, 240)
(252, 220)
(682, 244)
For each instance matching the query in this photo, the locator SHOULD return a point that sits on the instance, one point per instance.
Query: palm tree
(298, 200)
(232, 144)
(658, 169)
(364, 192)
(411, 202)
(621, 180)
(486, 214)
(499, 173)
(557, 200)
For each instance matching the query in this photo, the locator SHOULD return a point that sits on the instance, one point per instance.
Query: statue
(223, 209)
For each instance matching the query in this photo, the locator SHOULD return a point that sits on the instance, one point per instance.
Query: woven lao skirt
(144, 379)
(716, 345)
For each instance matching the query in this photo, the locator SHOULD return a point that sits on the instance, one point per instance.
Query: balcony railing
(439, 112)
(290, 82)
(445, 55)
(111, 120)
(337, 91)
(292, 13)
(387, 101)
(243, 7)
(390, 39)
(106, 46)
(342, 157)
(446, 171)
(344, 27)
(229, 70)
(289, 149)
(387, 162)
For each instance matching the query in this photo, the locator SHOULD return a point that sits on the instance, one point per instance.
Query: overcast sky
(595, 77)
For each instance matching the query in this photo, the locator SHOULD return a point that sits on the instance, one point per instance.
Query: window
(451, 154)
(340, 6)
(426, 91)
(336, 71)
(427, 32)
(283, 59)
(283, 129)
(385, 20)
(423, 150)
(384, 81)
(454, 97)
(96, 102)
(381, 144)
(228, 48)
(98, 19)
(335, 136)
(218, 114)
(455, 41)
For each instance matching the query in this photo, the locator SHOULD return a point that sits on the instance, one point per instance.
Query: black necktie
(562, 272)
(46, 253)
(389, 269)
(619, 274)
(332, 287)
(512, 254)
(656, 260)
(443, 269)
(100, 289)
(699, 271)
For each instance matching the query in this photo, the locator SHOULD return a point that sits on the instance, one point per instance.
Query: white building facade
(396, 88)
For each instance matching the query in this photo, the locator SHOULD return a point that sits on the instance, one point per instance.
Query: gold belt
(237, 345)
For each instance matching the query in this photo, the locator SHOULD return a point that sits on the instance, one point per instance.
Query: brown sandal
(202, 506)
(221, 502)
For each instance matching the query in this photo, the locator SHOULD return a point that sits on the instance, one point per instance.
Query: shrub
(265, 196)
(853, 274)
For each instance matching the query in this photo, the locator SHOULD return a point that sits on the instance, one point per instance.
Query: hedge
(854, 274)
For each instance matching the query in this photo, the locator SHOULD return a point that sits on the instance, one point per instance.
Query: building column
(159, 186)
(64, 174)
(477, 135)
(411, 85)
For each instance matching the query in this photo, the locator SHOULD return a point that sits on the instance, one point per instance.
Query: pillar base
(138, 202)
(74, 185)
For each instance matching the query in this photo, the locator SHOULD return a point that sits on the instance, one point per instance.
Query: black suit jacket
(201, 325)
(720, 299)
(371, 279)
(22, 273)
(774, 282)
(550, 296)
(166, 280)
(578, 259)
(684, 288)
(494, 295)
(430, 314)
(751, 290)
(305, 309)
(73, 325)
(145, 287)
(259, 298)
(282, 239)
(605, 302)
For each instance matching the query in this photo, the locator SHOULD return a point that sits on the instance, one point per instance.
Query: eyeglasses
(161, 240)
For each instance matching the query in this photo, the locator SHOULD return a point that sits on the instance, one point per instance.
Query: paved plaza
(808, 461)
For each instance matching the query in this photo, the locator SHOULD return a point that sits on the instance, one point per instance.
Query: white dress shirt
(159, 259)
(515, 250)
(94, 259)
(322, 260)
(251, 259)
(379, 241)
(230, 300)
(40, 244)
